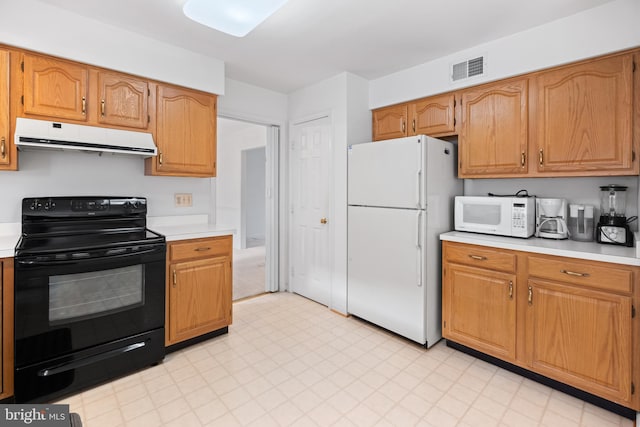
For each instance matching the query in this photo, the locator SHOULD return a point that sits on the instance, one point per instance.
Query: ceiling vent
(471, 68)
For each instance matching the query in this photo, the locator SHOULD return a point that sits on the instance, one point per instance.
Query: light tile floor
(289, 361)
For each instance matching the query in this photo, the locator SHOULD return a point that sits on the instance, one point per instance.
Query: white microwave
(505, 216)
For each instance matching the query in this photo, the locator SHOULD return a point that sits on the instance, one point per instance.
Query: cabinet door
(581, 337)
(199, 297)
(55, 88)
(434, 116)
(123, 100)
(6, 326)
(390, 122)
(186, 132)
(479, 311)
(493, 139)
(5, 132)
(584, 118)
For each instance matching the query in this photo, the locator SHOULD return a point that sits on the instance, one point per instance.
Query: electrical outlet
(183, 200)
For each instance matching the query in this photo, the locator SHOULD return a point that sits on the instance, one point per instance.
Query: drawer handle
(202, 249)
(573, 273)
(478, 257)
(510, 289)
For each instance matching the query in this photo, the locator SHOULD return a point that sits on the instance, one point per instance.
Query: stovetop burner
(55, 225)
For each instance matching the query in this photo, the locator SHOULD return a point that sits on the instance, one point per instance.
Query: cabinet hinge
(22, 66)
(633, 311)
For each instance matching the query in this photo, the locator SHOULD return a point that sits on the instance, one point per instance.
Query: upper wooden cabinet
(7, 150)
(494, 130)
(390, 122)
(434, 116)
(583, 116)
(123, 101)
(54, 88)
(185, 134)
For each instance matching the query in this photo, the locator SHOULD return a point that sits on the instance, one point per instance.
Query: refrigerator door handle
(419, 176)
(419, 247)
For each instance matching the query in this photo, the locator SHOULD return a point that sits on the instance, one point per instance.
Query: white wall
(575, 190)
(254, 193)
(40, 27)
(232, 140)
(72, 173)
(345, 99)
(607, 28)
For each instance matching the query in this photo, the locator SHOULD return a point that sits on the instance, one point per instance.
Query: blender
(613, 226)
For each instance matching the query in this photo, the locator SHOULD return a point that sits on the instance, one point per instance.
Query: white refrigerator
(400, 198)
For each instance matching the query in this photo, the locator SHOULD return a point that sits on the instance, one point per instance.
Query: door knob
(323, 220)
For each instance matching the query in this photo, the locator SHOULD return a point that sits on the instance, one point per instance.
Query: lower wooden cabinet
(567, 319)
(481, 311)
(199, 287)
(6, 318)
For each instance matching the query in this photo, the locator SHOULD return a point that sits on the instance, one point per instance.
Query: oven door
(72, 301)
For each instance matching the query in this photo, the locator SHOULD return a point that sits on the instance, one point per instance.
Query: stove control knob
(33, 206)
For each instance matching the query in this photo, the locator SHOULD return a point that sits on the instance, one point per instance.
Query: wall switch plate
(183, 200)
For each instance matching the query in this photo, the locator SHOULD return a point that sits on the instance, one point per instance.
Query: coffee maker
(551, 218)
(613, 226)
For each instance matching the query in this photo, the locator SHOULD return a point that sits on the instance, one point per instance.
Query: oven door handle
(35, 263)
(64, 367)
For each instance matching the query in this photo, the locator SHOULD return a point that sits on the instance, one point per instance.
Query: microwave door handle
(419, 247)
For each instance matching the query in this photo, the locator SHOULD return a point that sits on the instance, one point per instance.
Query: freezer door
(385, 279)
(387, 173)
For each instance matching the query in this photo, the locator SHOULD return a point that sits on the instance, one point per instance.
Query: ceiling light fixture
(235, 17)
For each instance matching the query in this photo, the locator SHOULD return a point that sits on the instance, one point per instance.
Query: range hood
(31, 133)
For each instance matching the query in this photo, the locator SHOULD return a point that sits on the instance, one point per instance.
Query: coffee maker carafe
(551, 218)
(613, 225)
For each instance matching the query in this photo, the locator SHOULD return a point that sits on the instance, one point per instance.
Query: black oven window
(85, 295)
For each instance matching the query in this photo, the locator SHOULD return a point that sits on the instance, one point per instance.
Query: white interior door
(310, 269)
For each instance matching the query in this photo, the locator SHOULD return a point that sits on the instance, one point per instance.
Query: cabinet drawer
(480, 256)
(200, 248)
(594, 275)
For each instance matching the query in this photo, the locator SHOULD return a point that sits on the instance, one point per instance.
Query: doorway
(247, 201)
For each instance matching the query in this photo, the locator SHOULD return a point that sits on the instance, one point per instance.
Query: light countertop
(9, 235)
(567, 248)
(187, 227)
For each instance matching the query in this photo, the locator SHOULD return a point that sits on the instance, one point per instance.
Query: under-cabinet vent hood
(31, 133)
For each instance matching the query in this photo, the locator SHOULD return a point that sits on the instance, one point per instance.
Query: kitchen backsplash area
(67, 173)
(576, 190)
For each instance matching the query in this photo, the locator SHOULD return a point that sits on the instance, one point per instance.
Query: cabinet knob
(323, 220)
